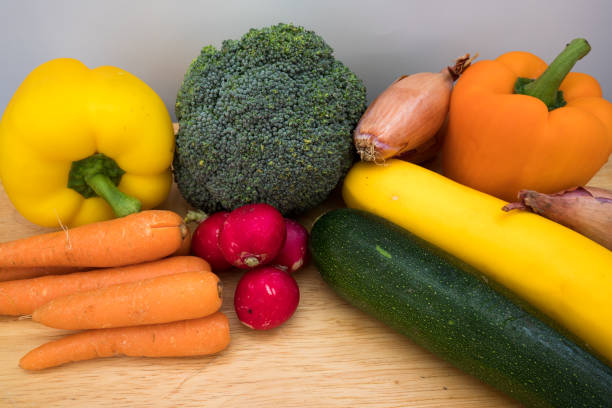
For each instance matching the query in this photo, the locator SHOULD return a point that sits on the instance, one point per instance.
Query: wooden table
(328, 355)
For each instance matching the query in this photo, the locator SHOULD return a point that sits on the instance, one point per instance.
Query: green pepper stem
(98, 175)
(546, 86)
(121, 203)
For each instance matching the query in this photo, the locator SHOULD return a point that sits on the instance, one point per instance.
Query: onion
(425, 152)
(586, 210)
(407, 114)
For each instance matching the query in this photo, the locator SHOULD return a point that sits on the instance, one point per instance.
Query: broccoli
(267, 118)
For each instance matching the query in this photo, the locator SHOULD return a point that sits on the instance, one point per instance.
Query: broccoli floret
(267, 118)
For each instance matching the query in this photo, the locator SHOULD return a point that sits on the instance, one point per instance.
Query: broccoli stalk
(267, 118)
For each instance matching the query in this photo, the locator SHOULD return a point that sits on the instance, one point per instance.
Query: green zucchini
(442, 305)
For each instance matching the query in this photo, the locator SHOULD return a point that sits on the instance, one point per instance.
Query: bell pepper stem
(99, 175)
(545, 87)
(121, 203)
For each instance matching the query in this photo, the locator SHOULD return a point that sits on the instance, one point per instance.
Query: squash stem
(546, 86)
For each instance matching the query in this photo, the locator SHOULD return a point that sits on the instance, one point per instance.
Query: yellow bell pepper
(80, 145)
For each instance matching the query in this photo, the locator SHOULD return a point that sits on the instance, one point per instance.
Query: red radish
(294, 253)
(205, 241)
(252, 235)
(266, 297)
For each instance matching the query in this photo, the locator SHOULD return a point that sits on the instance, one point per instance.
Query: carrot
(185, 248)
(162, 299)
(136, 238)
(198, 337)
(27, 272)
(22, 297)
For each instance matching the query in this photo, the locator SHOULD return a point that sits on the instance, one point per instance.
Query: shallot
(408, 113)
(586, 210)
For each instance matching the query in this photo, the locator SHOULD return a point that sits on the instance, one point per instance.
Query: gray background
(379, 40)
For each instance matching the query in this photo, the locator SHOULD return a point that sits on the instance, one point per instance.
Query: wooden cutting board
(328, 355)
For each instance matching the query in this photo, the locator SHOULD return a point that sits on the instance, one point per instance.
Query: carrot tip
(184, 230)
(220, 289)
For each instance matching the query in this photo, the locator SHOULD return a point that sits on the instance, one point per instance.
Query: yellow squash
(558, 271)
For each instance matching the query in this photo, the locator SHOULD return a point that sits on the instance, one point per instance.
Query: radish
(266, 297)
(294, 252)
(252, 235)
(205, 241)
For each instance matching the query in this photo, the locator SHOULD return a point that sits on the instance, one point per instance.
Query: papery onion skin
(586, 210)
(407, 114)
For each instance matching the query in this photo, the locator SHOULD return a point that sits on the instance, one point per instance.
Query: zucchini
(572, 286)
(445, 307)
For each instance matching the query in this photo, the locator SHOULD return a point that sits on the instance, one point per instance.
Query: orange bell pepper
(508, 132)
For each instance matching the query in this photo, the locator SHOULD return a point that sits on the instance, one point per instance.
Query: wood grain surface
(328, 355)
